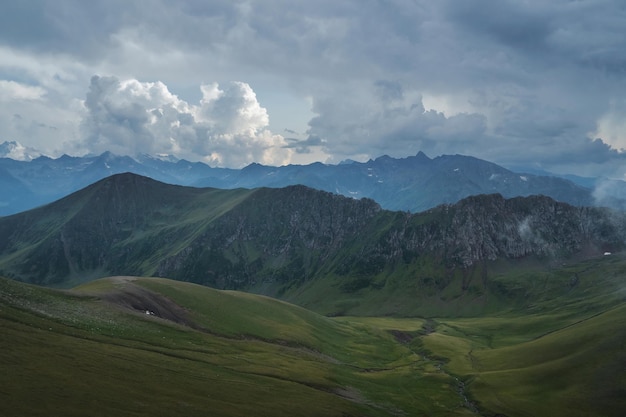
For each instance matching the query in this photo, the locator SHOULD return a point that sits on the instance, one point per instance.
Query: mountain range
(299, 244)
(414, 184)
(490, 304)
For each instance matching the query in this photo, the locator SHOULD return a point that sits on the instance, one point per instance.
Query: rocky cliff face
(489, 227)
(276, 234)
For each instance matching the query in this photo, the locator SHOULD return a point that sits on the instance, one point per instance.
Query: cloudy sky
(518, 82)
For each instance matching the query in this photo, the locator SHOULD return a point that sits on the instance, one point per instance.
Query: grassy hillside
(578, 370)
(427, 290)
(563, 354)
(151, 346)
(95, 350)
(535, 366)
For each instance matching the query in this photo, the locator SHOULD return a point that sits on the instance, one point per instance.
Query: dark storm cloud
(510, 23)
(70, 27)
(511, 81)
(304, 146)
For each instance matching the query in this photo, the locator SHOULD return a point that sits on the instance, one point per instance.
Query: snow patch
(167, 157)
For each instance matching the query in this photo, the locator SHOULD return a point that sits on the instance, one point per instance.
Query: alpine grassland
(151, 346)
(563, 353)
(103, 349)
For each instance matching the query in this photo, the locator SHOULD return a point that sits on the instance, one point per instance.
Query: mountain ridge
(282, 242)
(415, 183)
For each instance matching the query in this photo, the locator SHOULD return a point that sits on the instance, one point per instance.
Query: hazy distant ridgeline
(413, 184)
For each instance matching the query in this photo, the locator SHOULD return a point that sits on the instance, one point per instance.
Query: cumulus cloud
(228, 127)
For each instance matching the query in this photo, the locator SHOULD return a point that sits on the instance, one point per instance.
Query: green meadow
(155, 347)
(236, 354)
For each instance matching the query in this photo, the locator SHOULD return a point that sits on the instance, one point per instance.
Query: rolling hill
(155, 347)
(111, 348)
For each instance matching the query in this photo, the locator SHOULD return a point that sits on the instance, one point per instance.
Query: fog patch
(610, 193)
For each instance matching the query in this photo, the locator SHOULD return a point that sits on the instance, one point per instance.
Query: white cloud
(448, 104)
(611, 127)
(228, 127)
(17, 151)
(11, 90)
(234, 111)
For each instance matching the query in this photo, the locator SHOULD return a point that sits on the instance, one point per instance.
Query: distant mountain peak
(16, 151)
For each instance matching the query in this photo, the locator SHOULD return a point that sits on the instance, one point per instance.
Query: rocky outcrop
(276, 234)
(489, 227)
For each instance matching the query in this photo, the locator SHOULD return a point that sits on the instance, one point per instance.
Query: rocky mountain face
(489, 227)
(284, 239)
(412, 184)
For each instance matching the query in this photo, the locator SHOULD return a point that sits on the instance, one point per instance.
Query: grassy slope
(575, 371)
(564, 354)
(248, 355)
(558, 349)
(572, 371)
(425, 290)
(142, 214)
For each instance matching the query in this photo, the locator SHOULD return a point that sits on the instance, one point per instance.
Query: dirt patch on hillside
(133, 297)
(402, 336)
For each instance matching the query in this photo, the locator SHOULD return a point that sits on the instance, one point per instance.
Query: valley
(134, 297)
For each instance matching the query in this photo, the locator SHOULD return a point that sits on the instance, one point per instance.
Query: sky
(523, 83)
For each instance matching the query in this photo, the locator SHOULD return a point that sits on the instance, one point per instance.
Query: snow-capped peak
(18, 152)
